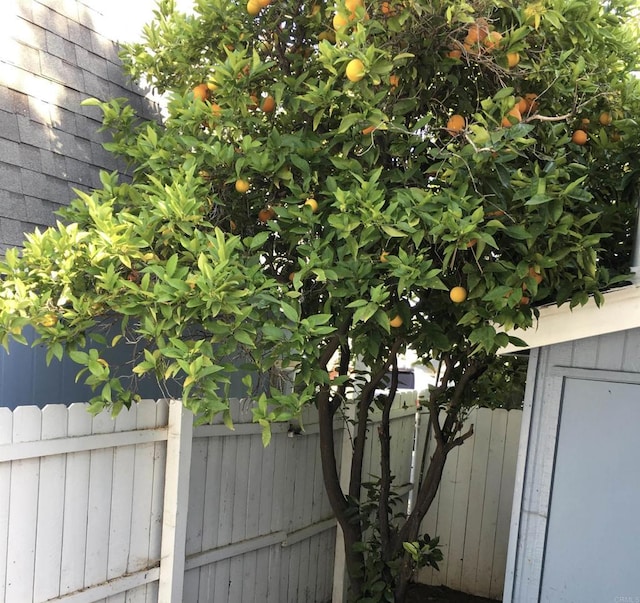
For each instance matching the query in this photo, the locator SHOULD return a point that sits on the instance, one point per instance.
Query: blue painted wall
(25, 377)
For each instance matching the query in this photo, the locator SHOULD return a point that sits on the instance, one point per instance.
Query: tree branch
(432, 402)
(364, 402)
(385, 463)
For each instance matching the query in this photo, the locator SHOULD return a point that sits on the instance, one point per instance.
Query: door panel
(592, 553)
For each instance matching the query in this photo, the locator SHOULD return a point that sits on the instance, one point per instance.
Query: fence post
(176, 502)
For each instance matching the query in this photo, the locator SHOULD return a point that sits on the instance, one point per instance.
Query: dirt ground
(421, 593)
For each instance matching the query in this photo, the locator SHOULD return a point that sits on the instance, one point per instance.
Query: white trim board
(557, 324)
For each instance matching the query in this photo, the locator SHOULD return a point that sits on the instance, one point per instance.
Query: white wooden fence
(142, 507)
(472, 510)
(149, 508)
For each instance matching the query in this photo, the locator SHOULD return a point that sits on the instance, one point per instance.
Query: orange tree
(333, 183)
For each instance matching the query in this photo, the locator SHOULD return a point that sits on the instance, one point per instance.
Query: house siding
(613, 357)
(54, 55)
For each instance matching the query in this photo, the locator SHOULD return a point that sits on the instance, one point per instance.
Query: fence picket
(254, 485)
(221, 581)
(197, 495)
(23, 509)
(6, 434)
(236, 569)
(50, 509)
(76, 509)
(477, 488)
(121, 498)
(159, 414)
(100, 488)
(493, 476)
(239, 516)
(446, 520)
(460, 505)
(176, 502)
(227, 491)
(498, 566)
(143, 465)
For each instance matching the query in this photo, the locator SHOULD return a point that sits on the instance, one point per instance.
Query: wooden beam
(27, 450)
(109, 588)
(176, 503)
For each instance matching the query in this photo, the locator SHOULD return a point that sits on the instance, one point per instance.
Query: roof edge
(558, 324)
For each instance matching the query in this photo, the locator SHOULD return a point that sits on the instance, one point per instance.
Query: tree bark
(384, 435)
(351, 529)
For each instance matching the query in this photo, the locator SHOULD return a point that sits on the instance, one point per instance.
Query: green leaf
(504, 93)
(258, 241)
(392, 231)
(290, 312)
(171, 265)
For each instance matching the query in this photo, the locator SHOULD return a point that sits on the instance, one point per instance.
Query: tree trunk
(410, 529)
(350, 528)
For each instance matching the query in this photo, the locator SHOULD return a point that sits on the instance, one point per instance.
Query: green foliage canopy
(203, 284)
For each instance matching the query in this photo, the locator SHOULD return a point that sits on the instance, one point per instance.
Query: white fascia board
(557, 324)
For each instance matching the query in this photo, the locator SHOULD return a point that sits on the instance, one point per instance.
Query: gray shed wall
(615, 358)
(53, 55)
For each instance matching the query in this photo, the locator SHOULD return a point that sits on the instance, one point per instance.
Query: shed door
(592, 551)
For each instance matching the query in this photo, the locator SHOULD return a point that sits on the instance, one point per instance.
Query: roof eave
(558, 324)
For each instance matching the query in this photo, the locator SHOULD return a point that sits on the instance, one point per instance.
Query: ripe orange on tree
(340, 21)
(532, 101)
(605, 119)
(242, 186)
(535, 274)
(268, 104)
(456, 124)
(477, 31)
(523, 105)
(513, 58)
(368, 130)
(312, 203)
(579, 137)
(396, 322)
(458, 294)
(355, 70)
(353, 5)
(254, 7)
(512, 117)
(386, 9)
(493, 40)
(201, 92)
(266, 214)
